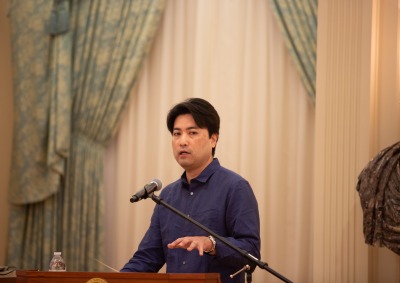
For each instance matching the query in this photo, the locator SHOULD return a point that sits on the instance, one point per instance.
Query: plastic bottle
(57, 263)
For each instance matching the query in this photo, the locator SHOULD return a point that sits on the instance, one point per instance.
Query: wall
(357, 115)
(6, 124)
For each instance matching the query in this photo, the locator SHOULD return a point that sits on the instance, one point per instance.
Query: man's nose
(183, 139)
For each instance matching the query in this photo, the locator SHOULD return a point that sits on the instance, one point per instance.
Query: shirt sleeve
(243, 225)
(150, 255)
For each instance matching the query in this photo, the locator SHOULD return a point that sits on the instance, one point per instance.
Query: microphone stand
(248, 276)
(245, 254)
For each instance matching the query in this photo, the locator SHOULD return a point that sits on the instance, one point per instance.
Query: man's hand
(201, 243)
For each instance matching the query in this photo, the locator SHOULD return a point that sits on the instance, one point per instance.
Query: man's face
(191, 145)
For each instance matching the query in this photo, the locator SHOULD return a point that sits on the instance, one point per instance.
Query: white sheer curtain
(231, 53)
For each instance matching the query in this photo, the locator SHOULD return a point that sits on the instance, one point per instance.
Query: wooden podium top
(27, 276)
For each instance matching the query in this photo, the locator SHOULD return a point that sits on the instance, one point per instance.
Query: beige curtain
(231, 53)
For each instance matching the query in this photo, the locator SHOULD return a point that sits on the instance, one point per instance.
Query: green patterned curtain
(75, 63)
(298, 21)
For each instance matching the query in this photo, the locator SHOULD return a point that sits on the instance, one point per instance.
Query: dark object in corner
(379, 189)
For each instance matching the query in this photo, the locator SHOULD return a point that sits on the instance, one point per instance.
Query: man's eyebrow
(188, 128)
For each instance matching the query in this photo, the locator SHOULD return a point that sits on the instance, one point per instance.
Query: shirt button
(191, 193)
(184, 262)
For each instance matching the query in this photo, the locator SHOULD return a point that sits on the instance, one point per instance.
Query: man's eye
(192, 133)
(176, 134)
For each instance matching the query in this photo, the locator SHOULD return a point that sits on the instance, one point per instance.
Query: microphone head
(158, 183)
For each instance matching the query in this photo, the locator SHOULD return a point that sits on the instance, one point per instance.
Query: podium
(27, 276)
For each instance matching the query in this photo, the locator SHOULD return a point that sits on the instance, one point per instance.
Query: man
(216, 197)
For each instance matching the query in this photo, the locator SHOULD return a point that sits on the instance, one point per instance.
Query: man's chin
(185, 164)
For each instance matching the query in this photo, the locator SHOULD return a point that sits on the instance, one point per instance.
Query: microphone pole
(245, 254)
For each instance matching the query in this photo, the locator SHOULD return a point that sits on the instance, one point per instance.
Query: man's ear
(214, 137)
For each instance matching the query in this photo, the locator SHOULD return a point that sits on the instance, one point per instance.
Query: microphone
(153, 186)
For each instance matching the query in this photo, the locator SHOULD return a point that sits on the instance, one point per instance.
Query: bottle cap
(57, 253)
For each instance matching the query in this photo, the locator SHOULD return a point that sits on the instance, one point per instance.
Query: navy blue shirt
(219, 199)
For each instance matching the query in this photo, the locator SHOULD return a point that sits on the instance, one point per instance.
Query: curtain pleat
(76, 62)
(33, 146)
(298, 22)
(84, 201)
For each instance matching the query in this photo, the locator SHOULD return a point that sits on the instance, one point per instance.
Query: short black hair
(203, 113)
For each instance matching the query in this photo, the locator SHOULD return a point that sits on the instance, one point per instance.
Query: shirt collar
(205, 174)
